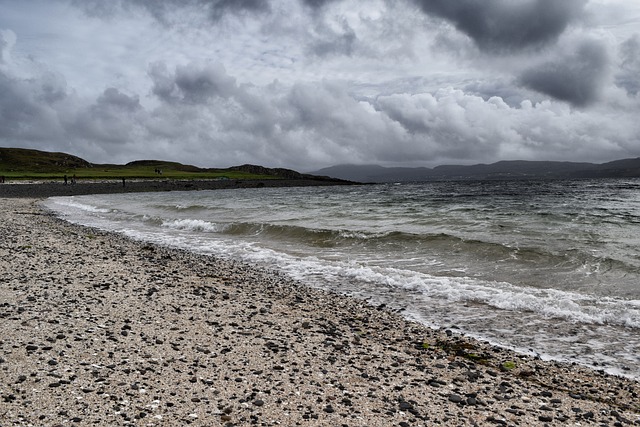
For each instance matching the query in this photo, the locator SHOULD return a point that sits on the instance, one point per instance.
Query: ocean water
(550, 268)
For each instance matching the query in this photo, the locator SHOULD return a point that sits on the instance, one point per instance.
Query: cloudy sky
(305, 84)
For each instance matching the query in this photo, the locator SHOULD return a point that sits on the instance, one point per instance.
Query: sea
(546, 268)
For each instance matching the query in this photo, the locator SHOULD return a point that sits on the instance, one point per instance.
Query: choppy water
(550, 268)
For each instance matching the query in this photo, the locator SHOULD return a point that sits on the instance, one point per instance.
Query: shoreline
(44, 189)
(99, 329)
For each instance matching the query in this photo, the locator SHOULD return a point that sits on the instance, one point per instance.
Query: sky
(306, 84)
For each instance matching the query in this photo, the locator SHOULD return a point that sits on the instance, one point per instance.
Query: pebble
(455, 398)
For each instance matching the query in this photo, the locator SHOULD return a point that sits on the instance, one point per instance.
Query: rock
(455, 398)
(405, 406)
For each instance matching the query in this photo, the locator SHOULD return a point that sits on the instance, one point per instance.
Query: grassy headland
(25, 164)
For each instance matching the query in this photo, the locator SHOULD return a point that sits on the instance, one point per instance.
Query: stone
(455, 398)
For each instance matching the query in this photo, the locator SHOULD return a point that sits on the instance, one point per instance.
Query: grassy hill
(19, 163)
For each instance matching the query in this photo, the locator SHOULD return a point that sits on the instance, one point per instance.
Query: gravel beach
(96, 329)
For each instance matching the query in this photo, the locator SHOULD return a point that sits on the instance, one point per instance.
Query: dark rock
(405, 406)
(495, 420)
(455, 398)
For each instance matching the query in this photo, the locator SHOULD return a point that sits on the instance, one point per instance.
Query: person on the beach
(65, 180)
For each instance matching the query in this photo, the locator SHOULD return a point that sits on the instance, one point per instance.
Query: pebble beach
(100, 330)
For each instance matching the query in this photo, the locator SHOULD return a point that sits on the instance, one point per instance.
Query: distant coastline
(52, 189)
(503, 170)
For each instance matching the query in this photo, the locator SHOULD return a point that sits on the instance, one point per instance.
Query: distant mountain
(515, 169)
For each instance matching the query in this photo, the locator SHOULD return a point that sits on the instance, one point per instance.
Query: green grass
(509, 365)
(22, 164)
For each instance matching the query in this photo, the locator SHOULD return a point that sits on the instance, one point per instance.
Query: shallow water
(545, 267)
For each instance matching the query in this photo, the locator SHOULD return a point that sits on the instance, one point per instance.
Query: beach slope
(96, 329)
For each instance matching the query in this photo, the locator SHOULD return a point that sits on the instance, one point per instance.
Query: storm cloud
(163, 10)
(191, 83)
(629, 74)
(506, 25)
(576, 78)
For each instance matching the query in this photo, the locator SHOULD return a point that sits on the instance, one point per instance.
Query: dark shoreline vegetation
(54, 189)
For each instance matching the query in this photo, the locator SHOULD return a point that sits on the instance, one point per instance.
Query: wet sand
(96, 329)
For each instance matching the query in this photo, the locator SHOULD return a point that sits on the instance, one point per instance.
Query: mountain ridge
(504, 169)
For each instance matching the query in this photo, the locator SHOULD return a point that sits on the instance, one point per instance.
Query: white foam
(69, 203)
(194, 225)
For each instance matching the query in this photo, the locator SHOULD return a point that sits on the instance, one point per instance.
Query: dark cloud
(17, 107)
(163, 10)
(112, 98)
(317, 4)
(194, 84)
(334, 43)
(576, 78)
(4, 49)
(507, 25)
(629, 75)
(28, 107)
(113, 119)
(7, 40)
(218, 8)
